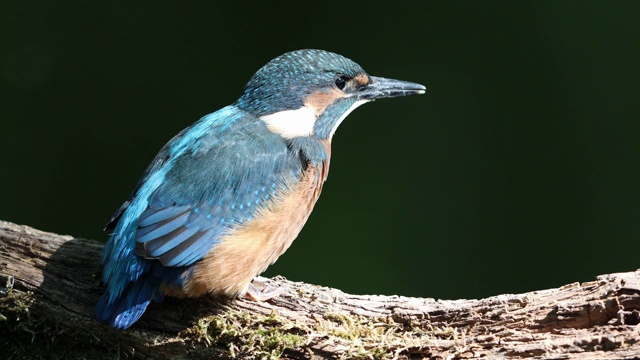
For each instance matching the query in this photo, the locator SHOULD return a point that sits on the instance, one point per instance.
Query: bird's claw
(268, 293)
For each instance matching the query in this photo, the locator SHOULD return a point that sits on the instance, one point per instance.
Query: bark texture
(49, 284)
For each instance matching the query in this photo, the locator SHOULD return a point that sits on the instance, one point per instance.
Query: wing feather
(152, 216)
(211, 188)
(189, 250)
(161, 245)
(159, 229)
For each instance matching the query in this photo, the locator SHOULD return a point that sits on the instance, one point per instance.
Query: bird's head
(309, 92)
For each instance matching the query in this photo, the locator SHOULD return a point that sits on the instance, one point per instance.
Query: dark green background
(518, 170)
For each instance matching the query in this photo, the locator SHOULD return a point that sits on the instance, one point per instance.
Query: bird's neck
(332, 116)
(312, 150)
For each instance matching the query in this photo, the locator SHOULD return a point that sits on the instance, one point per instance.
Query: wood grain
(49, 284)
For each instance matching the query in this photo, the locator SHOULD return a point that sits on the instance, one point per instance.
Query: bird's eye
(341, 82)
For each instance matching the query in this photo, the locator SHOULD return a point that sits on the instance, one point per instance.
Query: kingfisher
(226, 196)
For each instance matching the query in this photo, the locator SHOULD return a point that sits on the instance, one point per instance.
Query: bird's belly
(227, 270)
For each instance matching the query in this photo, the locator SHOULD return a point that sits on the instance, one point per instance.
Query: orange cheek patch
(319, 100)
(362, 79)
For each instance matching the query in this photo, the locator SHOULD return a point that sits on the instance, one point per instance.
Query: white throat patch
(291, 123)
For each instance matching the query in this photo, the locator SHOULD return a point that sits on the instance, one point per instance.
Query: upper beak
(380, 88)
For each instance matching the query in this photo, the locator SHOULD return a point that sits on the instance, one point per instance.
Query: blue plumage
(226, 196)
(190, 195)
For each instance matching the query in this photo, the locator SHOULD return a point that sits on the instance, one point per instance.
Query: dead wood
(49, 284)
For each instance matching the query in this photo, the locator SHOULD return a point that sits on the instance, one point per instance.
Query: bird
(225, 197)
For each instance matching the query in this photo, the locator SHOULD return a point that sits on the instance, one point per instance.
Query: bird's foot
(255, 294)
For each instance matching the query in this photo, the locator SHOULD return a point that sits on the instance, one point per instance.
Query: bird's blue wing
(212, 189)
(209, 179)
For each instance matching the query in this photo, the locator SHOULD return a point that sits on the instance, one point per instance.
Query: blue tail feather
(129, 306)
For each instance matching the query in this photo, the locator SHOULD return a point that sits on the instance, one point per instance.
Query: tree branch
(49, 284)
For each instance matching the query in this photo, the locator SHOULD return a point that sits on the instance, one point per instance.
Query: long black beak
(381, 88)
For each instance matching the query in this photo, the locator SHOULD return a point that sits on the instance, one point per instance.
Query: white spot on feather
(291, 123)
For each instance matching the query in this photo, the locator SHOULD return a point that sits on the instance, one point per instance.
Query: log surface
(49, 284)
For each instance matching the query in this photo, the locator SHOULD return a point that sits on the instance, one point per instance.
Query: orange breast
(247, 251)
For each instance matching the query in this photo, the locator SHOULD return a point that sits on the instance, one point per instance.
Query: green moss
(14, 305)
(243, 333)
(351, 336)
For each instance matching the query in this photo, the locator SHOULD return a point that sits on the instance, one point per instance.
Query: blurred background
(518, 170)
